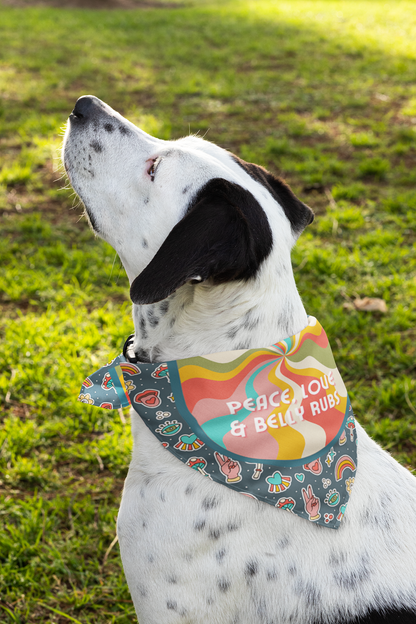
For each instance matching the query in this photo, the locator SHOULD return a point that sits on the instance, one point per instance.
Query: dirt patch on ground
(92, 4)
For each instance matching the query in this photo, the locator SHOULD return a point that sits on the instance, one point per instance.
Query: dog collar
(275, 424)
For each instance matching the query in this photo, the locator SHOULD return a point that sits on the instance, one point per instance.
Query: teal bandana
(274, 424)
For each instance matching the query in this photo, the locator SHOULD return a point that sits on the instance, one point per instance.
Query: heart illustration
(315, 467)
(300, 477)
(150, 398)
(188, 439)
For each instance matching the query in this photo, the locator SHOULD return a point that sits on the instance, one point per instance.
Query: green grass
(321, 92)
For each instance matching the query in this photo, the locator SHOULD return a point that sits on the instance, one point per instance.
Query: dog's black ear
(298, 213)
(224, 236)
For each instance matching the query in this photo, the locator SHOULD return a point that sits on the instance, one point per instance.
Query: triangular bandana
(275, 424)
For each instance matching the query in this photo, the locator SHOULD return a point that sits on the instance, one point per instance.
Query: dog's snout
(85, 108)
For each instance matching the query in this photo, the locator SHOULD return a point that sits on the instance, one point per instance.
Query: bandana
(274, 424)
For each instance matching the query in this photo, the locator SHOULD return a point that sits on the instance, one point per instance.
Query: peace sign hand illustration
(229, 468)
(312, 504)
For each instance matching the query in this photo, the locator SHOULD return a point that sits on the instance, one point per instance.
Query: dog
(205, 239)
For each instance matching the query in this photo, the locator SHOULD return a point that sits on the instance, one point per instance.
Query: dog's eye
(153, 167)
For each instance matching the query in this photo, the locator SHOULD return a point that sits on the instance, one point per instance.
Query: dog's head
(175, 211)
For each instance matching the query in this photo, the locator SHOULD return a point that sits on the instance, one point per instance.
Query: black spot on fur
(271, 575)
(380, 520)
(146, 200)
(108, 127)
(351, 580)
(308, 592)
(283, 542)
(145, 244)
(223, 585)
(292, 570)
(162, 497)
(231, 333)
(199, 525)
(143, 330)
(220, 555)
(210, 601)
(214, 534)
(337, 559)
(144, 524)
(298, 213)
(96, 146)
(172, 580)
(251, 569)
(232, 526)
(155, 355)
(250, 321)
(261, 609)
(150, 558)
(185, 190)
(209, 503)
(153, 319)
(189, 490)
(172, 605)
(164, 307)
(224, 236)
(124, 130)
(172, 321)
(142, 590)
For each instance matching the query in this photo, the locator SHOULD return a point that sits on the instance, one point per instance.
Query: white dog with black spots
(205, 239)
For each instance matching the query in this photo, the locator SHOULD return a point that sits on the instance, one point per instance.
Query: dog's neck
(202, 319)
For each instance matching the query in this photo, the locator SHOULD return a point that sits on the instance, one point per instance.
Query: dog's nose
(85, 108)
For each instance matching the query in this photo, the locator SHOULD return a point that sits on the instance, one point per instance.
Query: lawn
(321, 92)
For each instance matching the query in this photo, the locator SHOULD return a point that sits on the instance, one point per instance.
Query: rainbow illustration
(343, 463)
(130, 369)
(87, 383)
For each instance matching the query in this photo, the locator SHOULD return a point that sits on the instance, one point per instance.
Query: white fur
(193, 550)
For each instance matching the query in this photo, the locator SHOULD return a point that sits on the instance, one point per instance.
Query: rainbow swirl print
(293, 386)
(344, 462)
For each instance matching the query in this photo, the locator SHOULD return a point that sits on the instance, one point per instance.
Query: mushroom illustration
(198, 463)
(351, 427)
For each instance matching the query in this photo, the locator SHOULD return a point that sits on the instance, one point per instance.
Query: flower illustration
(86, 398)
(349, 483)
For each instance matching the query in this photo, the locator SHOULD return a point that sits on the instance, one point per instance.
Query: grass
(321, 92)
